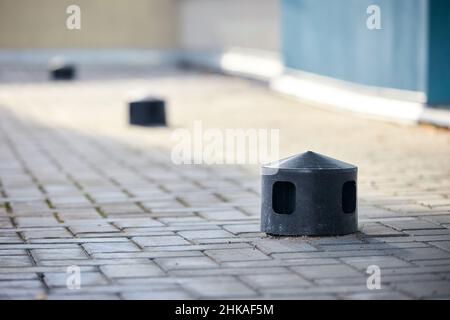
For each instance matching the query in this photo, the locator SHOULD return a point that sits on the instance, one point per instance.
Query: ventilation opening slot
(349, 197)
(283, 197)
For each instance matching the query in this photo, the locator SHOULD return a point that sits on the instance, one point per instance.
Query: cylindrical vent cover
(309, 194)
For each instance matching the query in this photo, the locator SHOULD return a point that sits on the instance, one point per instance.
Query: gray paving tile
(282, 245)
(275, 281)
(326, 271)
(428, 289)
(214, 288)
(59, 254)
(205, 234)
(86, 279)
(177, 294)
(107, 247)
(185, 263)
(380, 261)
(160, 241)
(15, 261)
(225, 255)
(132, 270)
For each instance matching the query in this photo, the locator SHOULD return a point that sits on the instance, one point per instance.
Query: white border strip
(256, 64)
(437, 117)
(316, 92)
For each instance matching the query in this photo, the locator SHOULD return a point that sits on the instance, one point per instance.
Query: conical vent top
(310, 160)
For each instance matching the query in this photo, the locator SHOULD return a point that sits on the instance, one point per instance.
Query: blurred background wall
(408, 56)
(104, 24)
(217, 24)
(190, 24)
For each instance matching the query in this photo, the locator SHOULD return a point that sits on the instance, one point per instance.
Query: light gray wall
(217, 24)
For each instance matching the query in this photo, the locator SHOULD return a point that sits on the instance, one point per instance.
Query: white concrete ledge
(437, 117)
(387, 104)
(346, 99)
(257, 64)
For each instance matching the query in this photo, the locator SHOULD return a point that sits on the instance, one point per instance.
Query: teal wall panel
(330, 38)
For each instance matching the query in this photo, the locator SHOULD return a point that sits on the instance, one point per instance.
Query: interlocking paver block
(59, 254)
(377, 229)
(381, 261)
(217, 287)
(13, 252)
(411, 225)
(55, 233)
(274, 281)
(429, 289)
(163, 294)
(82, 296)
(11, 239)
(5, 223)
(36, 222)
(327, 271)
(87, 279)
(137, 223)
(106, 247)
(223, 215)
(414, 254)
(15, 261)
(205, 234)
(441, 219)
(444, 245)
(185, 263)
(160, 241)
(93, 228)
(269, 245)
(22, 284)
(224, 255)
(132, 270)
(242, 228)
